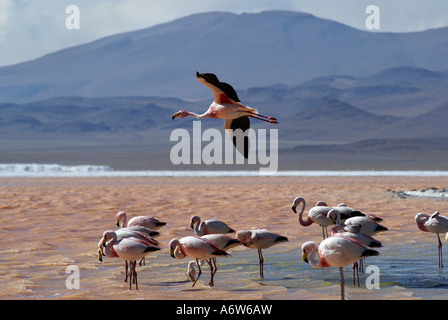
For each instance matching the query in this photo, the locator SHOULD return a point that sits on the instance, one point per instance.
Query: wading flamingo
(128, 249)
(335, 252)
(209, 226)
(354, 232)
(199, 249)
(144, 221)
(260, 239)
(226, 105)
(368, 225)
(138, 232)
(434, 223)
(151, 223)
(318, 214)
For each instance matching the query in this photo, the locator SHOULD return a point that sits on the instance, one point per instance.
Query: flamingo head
(191, 272)
(307, 248)
(193, 221)
(245, 237)
(333, 215)
(120, 217)
(296, 202)
(173, 245)
(180, 114)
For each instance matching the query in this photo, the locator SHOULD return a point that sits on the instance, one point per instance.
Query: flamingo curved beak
(175, 116)
(117, 223)
(304, 256)
(294, 209)
(172, 253)
(100, 255)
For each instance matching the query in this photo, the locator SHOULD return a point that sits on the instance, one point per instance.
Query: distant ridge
(247, 50)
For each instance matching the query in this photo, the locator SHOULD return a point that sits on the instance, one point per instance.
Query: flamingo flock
(349, 242)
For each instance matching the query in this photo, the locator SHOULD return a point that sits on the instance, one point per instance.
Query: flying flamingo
(210, 226)
(259, 239)
(335, 252)
(318, 214)
(128, 249)
(145, 221)
(199, 249)
(226, 105)
(434, 223)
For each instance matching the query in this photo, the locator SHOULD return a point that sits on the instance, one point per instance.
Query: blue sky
(31, 28)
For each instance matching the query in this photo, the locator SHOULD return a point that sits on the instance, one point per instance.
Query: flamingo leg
(355, 273)
(440, 251)
(212, 272)
(134, 273)
(342, 283)
(260, 261)
(257, 116)
(199, 273)
(126, 274)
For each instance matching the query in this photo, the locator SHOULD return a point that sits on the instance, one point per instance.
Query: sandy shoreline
(54, 222)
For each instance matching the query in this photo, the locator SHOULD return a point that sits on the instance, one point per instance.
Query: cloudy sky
(32, 28)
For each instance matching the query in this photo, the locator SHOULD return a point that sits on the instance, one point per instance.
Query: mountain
(247, 50)
(333, 121)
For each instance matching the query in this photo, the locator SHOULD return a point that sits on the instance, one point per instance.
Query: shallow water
(49, 224)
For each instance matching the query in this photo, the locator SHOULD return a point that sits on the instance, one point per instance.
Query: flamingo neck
(109, 249)
(306, 222)
(198, 116)
(315, 259)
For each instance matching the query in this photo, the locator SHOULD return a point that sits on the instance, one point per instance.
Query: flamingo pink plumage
(260, 239)
(128, 249)
(368, 225)
(144, 221)
(199, 249)
(335, 252)
(210, 226)
(319, 212)
(434, 223)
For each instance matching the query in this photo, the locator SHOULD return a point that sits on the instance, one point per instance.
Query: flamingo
(434, 223)
(141, 233)
(199, 249)
(353, 232)
(226, 105)
(260, 239)
(145, 221)
(128, 249)
(319, 214)
(368, 225)
(223, 241)
(335, 252)
(210, 226)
